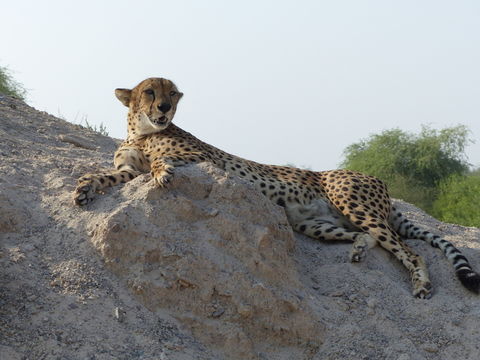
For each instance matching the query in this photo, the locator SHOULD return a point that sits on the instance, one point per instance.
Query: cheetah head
(152, 105)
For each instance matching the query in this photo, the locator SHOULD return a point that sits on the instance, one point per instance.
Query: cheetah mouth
(162, 120)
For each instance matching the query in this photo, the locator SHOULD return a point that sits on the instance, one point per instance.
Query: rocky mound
(206, 269)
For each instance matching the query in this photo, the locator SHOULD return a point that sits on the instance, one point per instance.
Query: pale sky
(272, 81)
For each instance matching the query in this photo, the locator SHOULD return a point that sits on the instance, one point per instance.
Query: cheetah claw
(358, 253)
(424, 292)
(163, 180)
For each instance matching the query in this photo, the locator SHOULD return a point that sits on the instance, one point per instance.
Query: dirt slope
(207, 269)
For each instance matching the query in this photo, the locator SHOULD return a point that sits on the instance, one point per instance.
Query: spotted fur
(327, 205)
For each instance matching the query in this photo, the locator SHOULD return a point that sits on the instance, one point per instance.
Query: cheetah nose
(164, 107)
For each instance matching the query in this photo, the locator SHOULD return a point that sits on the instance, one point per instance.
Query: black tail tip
(469, 279)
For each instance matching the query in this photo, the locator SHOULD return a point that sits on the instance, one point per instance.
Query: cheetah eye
(173, 93)
(148, 92)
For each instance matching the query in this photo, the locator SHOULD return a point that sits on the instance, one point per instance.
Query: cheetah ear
(124, 96)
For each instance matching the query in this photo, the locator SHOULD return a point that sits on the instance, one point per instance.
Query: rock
(430, 347)
(218, 313)
(372, 302)
(77, 141)
(119, 314)
(194, 259)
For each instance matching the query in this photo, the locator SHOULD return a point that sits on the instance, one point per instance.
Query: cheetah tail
(469, 278)
(464, 271)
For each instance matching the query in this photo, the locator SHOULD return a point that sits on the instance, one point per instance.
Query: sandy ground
(207, 269)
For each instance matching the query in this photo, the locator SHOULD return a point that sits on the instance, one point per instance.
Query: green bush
(404, 188)
(412, 165)
(458, 200)
(9, 86)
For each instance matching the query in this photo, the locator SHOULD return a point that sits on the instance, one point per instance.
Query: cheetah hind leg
(317, 228)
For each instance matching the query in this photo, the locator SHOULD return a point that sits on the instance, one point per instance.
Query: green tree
(9, 86)
(412, 165)
(458, 200)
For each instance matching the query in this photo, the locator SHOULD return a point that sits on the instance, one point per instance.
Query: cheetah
(326, 205)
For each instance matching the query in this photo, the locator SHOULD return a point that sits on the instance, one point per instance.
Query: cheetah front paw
(164, 177)
(84, 193)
